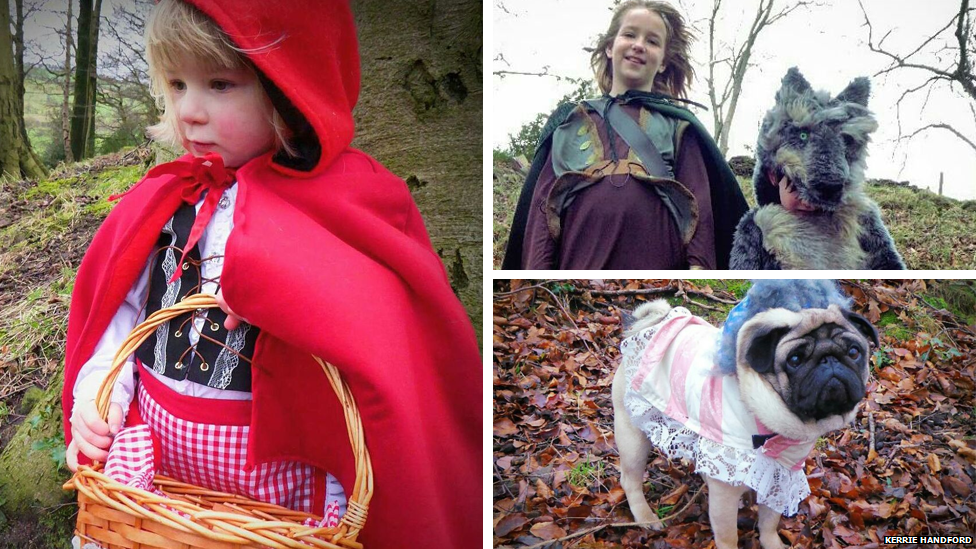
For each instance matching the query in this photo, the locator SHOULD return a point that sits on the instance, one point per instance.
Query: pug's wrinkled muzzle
(831, 388)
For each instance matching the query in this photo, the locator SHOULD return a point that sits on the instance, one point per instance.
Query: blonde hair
(678, 73)
(176, 30)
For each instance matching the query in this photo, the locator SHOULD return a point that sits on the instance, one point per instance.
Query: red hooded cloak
(333, 261)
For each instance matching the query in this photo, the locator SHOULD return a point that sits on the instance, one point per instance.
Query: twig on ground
(595, 529)
(667, 290)
(706, 307)
(555, 298)
(871, 427)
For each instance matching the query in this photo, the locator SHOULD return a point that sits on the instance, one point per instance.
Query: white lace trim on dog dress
(689, 410)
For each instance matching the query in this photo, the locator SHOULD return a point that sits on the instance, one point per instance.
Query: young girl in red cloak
(319, 247)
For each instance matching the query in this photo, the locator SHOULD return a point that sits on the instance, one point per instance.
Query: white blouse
(212, 244)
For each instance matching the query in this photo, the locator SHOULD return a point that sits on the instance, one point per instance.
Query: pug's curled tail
(645, 316)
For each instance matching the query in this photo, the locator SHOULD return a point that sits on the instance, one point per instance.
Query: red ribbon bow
(202, 174)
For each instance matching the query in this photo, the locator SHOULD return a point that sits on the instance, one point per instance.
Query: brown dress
(618, 220)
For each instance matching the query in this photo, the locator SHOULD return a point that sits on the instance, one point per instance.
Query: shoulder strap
(632, 133)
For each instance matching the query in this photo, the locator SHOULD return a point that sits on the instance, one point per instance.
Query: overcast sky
(828, 44)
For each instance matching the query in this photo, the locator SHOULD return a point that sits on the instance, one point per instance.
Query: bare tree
(83, 113)
(957, 39)
(66, 89)
(16, 157)
(125, 84)
(724, 90)
(21, 15)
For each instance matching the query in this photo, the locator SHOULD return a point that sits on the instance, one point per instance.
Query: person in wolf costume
(812, 210)
(595, 198)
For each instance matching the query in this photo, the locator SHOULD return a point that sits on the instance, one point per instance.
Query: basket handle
(358, 501)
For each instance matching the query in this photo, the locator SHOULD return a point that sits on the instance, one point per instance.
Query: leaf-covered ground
(556, 482)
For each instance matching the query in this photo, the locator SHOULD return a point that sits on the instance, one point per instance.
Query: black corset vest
(221, 359)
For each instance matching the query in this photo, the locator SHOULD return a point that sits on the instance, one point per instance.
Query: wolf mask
(816, 145)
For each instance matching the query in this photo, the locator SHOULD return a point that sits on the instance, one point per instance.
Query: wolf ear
(857, 91)
(793, 84)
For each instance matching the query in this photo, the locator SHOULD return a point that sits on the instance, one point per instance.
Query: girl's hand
(232, 321)
(91, 435)
(789, 198)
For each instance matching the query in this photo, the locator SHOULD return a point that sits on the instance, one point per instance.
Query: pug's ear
(758, 338)
(864, 326)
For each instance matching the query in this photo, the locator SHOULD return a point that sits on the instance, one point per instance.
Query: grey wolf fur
(802, 401)
(820, 144)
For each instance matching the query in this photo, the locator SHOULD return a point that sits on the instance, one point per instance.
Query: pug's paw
(771, 542)
(648, 519)
(655, 525)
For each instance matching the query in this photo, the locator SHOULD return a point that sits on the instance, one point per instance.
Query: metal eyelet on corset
(214, 326)
(178, 366)
(178, 333)
(204, 367)
(186, 266)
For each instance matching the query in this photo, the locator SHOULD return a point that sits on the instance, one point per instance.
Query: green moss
(114, 180)
(891, 325)
(32, 464)
(737, 288)
(888, 318)
(31, 397)
(745, 183)
(956, 296)
(899, 333)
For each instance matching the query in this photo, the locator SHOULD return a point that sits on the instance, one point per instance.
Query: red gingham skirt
(204, 442)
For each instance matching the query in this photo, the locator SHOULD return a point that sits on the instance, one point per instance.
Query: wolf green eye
(803, 136)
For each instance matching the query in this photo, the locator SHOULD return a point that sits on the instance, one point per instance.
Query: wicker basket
(115, 516)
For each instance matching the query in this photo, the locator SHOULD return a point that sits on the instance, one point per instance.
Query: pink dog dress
(690, 410)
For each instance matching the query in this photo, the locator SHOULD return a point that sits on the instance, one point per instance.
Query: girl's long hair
(678, 73)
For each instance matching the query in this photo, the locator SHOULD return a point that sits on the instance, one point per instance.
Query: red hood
(308, 49)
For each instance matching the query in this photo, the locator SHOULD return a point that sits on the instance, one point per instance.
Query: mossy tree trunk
(419, 113)
(16, 157)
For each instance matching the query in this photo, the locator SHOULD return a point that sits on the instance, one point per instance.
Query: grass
(738, 288)
(60, 204)
(931, 232)
(585, 473)
(505, 194)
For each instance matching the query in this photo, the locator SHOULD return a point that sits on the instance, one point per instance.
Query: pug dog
(746, 403)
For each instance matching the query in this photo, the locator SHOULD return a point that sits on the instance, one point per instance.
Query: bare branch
(544, 72)
(724, 102)
(946, 127)
(962, 73)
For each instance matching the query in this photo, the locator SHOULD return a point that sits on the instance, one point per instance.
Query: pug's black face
(825, 370)
(819, 365)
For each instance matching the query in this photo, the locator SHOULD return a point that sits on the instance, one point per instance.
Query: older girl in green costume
(630, 180)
